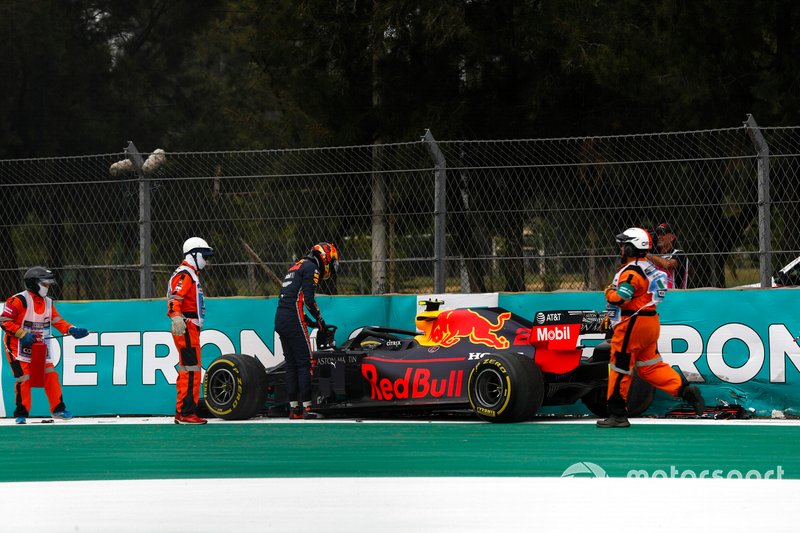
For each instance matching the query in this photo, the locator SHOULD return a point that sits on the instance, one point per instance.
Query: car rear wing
(555, 336)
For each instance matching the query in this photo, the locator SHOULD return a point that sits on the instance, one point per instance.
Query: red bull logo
(414, 383)
(451, 326)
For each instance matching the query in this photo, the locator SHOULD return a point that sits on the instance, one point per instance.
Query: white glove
(178, 325)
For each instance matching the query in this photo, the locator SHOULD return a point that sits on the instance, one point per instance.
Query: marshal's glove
(26, 339)
(78, 333)
(178, 325)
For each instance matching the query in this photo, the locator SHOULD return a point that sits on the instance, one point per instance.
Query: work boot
(296, 413)
(692, 395)
(189, 419)
(614, 421)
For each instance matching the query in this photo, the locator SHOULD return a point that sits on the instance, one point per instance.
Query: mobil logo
(552, 334)
(556, 337)
(452, 326)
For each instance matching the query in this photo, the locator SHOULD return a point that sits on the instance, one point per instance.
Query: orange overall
(635, 338)
(185, 297)
(29, 312)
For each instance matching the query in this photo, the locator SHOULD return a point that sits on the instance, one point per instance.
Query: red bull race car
(490, 361)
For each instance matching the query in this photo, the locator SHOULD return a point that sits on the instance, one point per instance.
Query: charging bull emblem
(451, 326)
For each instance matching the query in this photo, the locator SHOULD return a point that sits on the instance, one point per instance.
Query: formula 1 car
(489, 360)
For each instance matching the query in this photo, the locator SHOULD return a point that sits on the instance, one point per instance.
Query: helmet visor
(205, 252)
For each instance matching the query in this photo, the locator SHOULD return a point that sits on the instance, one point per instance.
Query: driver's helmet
(327, 256)
(371, 344)
(636, 241)
(424, 319)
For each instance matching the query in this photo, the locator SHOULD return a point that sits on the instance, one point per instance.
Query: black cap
(663, 229)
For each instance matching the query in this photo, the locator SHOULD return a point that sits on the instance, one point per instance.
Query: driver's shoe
(614, 421)
(303, 413)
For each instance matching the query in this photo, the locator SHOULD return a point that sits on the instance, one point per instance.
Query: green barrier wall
(737, 344)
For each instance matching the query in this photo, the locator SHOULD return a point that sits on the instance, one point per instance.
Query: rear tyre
(640, 396)
(505, 388)
(596, 401)
(234, 387)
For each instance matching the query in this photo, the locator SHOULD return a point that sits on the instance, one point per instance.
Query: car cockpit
(378, 338)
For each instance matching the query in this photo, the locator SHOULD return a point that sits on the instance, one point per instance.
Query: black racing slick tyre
(640, 396)
(234, 387)
(596, 401)
(505, 388)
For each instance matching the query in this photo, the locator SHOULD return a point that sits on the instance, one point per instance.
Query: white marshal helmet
(199, 250)
(636, 237)
(196, 244)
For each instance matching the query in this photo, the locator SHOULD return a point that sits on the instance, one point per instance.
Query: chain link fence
(417, 217)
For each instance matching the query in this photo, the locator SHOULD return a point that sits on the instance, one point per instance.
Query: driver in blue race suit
(291, 325)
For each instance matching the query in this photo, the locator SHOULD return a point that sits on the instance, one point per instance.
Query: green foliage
(85, 77)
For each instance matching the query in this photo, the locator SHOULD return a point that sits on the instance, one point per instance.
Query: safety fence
(416, 217)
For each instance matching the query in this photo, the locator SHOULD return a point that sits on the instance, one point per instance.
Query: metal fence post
(145, 239)
(379, 244)
(764, 231)
(439, 212)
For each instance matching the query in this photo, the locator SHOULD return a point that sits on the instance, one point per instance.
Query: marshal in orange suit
(637, 288)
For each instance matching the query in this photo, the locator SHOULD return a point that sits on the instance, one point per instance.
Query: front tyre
(505, 388)
(234, 387)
